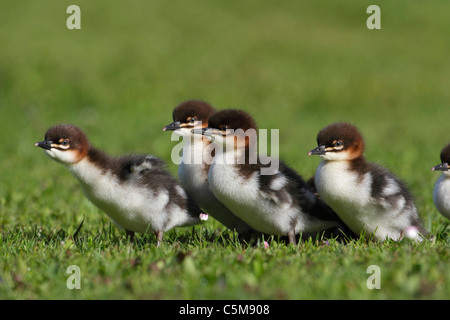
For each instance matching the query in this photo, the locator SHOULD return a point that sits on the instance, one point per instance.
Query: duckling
(195, 162)
(135, 191)
(441, 193)
(365, 195)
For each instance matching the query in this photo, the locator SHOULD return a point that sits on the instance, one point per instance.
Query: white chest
(193, 169)
(441, 195)
(348, 193)
(226, 183)
(244, 198)
(194, 177)
(335, 182)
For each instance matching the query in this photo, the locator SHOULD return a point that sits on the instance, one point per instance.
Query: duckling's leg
(291, 236)
(130, 234)
(159, 236)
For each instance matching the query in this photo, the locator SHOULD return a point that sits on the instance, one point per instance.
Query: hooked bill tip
(441, 167)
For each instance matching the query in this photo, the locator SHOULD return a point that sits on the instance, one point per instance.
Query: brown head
(232, 119)
(189, 115)
(232, 127)
(445, 161)
(339, 141)
(65, 144)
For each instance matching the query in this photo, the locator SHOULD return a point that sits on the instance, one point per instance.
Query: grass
(296, 67)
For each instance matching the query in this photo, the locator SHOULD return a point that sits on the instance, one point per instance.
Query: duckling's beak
(317, 151)
(199, 131)
(207, 131)
(441, 167)
(173, 126)
(47, 145)
(210, 133)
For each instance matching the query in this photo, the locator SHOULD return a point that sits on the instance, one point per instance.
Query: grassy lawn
(294, 66)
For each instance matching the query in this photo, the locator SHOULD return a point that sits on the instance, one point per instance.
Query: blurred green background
(294, 65)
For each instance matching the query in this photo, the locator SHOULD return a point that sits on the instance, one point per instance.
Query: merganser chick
(278, 204)
(366, 196)
(135, 191)
(195, 162)
(441, 193)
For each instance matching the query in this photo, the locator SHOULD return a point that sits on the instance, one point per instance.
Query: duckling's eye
(224, 128)
(339, 144)
(65, 142)
(192, 120)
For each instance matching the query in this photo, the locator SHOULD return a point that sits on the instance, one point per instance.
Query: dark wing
(306, 199)
(152, 174)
